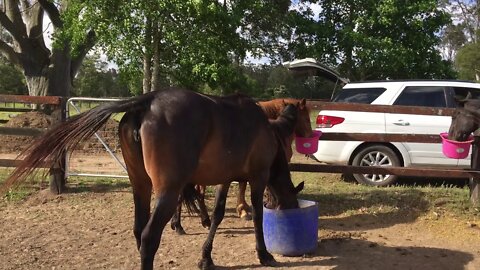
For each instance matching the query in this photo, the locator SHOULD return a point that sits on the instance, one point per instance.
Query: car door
(427, 96)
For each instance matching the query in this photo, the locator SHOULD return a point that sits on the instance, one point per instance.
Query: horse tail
(191, 199)
(46, 150)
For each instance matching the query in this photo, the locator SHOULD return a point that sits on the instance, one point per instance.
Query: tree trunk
(147, 58)
(156, 58)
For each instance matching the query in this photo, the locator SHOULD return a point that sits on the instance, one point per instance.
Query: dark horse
(174, 139)
(465, 119)
(273, 109)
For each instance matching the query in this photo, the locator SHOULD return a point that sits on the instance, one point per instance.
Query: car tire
(376, 155)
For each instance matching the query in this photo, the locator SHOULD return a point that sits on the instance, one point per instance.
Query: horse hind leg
(243, 209)
(165, 205)
(175, 222)
(206, 222)
(139, 179)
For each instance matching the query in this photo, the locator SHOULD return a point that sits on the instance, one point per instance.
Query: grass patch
(337, 197)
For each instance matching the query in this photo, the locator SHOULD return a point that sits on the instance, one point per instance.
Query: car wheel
(376, 155)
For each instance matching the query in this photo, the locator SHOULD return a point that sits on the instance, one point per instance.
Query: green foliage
(12, 81)
(96, 80)
(467, 61)
(198, 40)
(369, 39)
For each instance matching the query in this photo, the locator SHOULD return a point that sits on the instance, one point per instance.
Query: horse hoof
(246, 216)
(206, 223)
(266, 259)
(206, 264)
(180, 231)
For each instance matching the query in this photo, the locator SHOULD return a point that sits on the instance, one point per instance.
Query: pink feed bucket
(308, 145)
(455, 149)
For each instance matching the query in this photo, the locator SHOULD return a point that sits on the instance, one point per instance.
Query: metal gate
(106, 152)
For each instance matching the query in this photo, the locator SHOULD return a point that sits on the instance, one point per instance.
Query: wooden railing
(473, 173)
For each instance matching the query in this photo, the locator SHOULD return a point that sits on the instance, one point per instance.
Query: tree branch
(82, 51)
(9, 53)
(52, 12)
(16, 33)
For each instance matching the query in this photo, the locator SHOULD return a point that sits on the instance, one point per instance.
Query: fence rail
(58, 180)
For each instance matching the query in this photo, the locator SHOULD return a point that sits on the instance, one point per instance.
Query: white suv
(409, 93)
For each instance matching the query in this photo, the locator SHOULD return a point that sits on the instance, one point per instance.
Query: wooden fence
(473, 173)
(52, 104)
(57, 181)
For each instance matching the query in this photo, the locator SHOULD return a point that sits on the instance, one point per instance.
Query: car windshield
(358, 95)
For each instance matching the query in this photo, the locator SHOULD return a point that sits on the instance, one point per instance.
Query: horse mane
(274, 107)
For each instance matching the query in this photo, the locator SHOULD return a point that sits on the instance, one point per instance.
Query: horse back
(209, 139)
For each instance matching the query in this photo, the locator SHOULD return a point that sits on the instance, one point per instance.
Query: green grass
(337, 197)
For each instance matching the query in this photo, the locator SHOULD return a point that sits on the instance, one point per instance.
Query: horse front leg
(257, 189)
(243, 209)
(218, 213)
(165, 205)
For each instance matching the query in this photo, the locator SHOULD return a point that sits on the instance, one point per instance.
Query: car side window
(462, 92)
(426, 96)
(358, 95)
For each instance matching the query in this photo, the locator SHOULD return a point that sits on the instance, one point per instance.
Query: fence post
(475, 165)
(57, 172)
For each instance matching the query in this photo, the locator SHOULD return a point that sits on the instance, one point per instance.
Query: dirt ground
(91, 228)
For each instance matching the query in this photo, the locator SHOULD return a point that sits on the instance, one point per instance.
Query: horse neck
(272, 108)
(280, 182)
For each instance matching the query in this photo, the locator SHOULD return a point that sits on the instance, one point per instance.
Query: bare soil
(90, 227)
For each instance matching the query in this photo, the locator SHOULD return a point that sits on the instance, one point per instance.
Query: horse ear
(461, 102)
(299, 187)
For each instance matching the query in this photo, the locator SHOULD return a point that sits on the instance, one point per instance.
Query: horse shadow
(394, 208)
(357, 254)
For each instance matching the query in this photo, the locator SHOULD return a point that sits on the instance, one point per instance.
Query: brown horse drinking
(465, 120)
(273, 109)
(174, 139)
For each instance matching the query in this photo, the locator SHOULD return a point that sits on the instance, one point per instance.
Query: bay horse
(272, 109)
(174, 139)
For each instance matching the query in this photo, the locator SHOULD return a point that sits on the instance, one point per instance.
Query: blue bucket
(291, 232)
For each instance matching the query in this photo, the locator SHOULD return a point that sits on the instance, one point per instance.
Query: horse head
(464, 122)
(303, 127)
(283, 194)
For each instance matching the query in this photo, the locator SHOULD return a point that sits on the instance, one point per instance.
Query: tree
(468, 62)
(47, 71)
(190, 43)
(96, 79)
(368, 39)
(11, 80)
(467, 14)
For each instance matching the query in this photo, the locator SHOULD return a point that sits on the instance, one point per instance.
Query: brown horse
(174, 139)
(273, 109)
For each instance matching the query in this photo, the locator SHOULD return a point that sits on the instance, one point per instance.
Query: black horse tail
(191, 199)
(54, 143)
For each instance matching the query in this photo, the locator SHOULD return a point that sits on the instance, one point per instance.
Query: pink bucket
(308, 145)
(455, 149)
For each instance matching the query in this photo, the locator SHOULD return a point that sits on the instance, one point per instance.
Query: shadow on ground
(359, 254)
